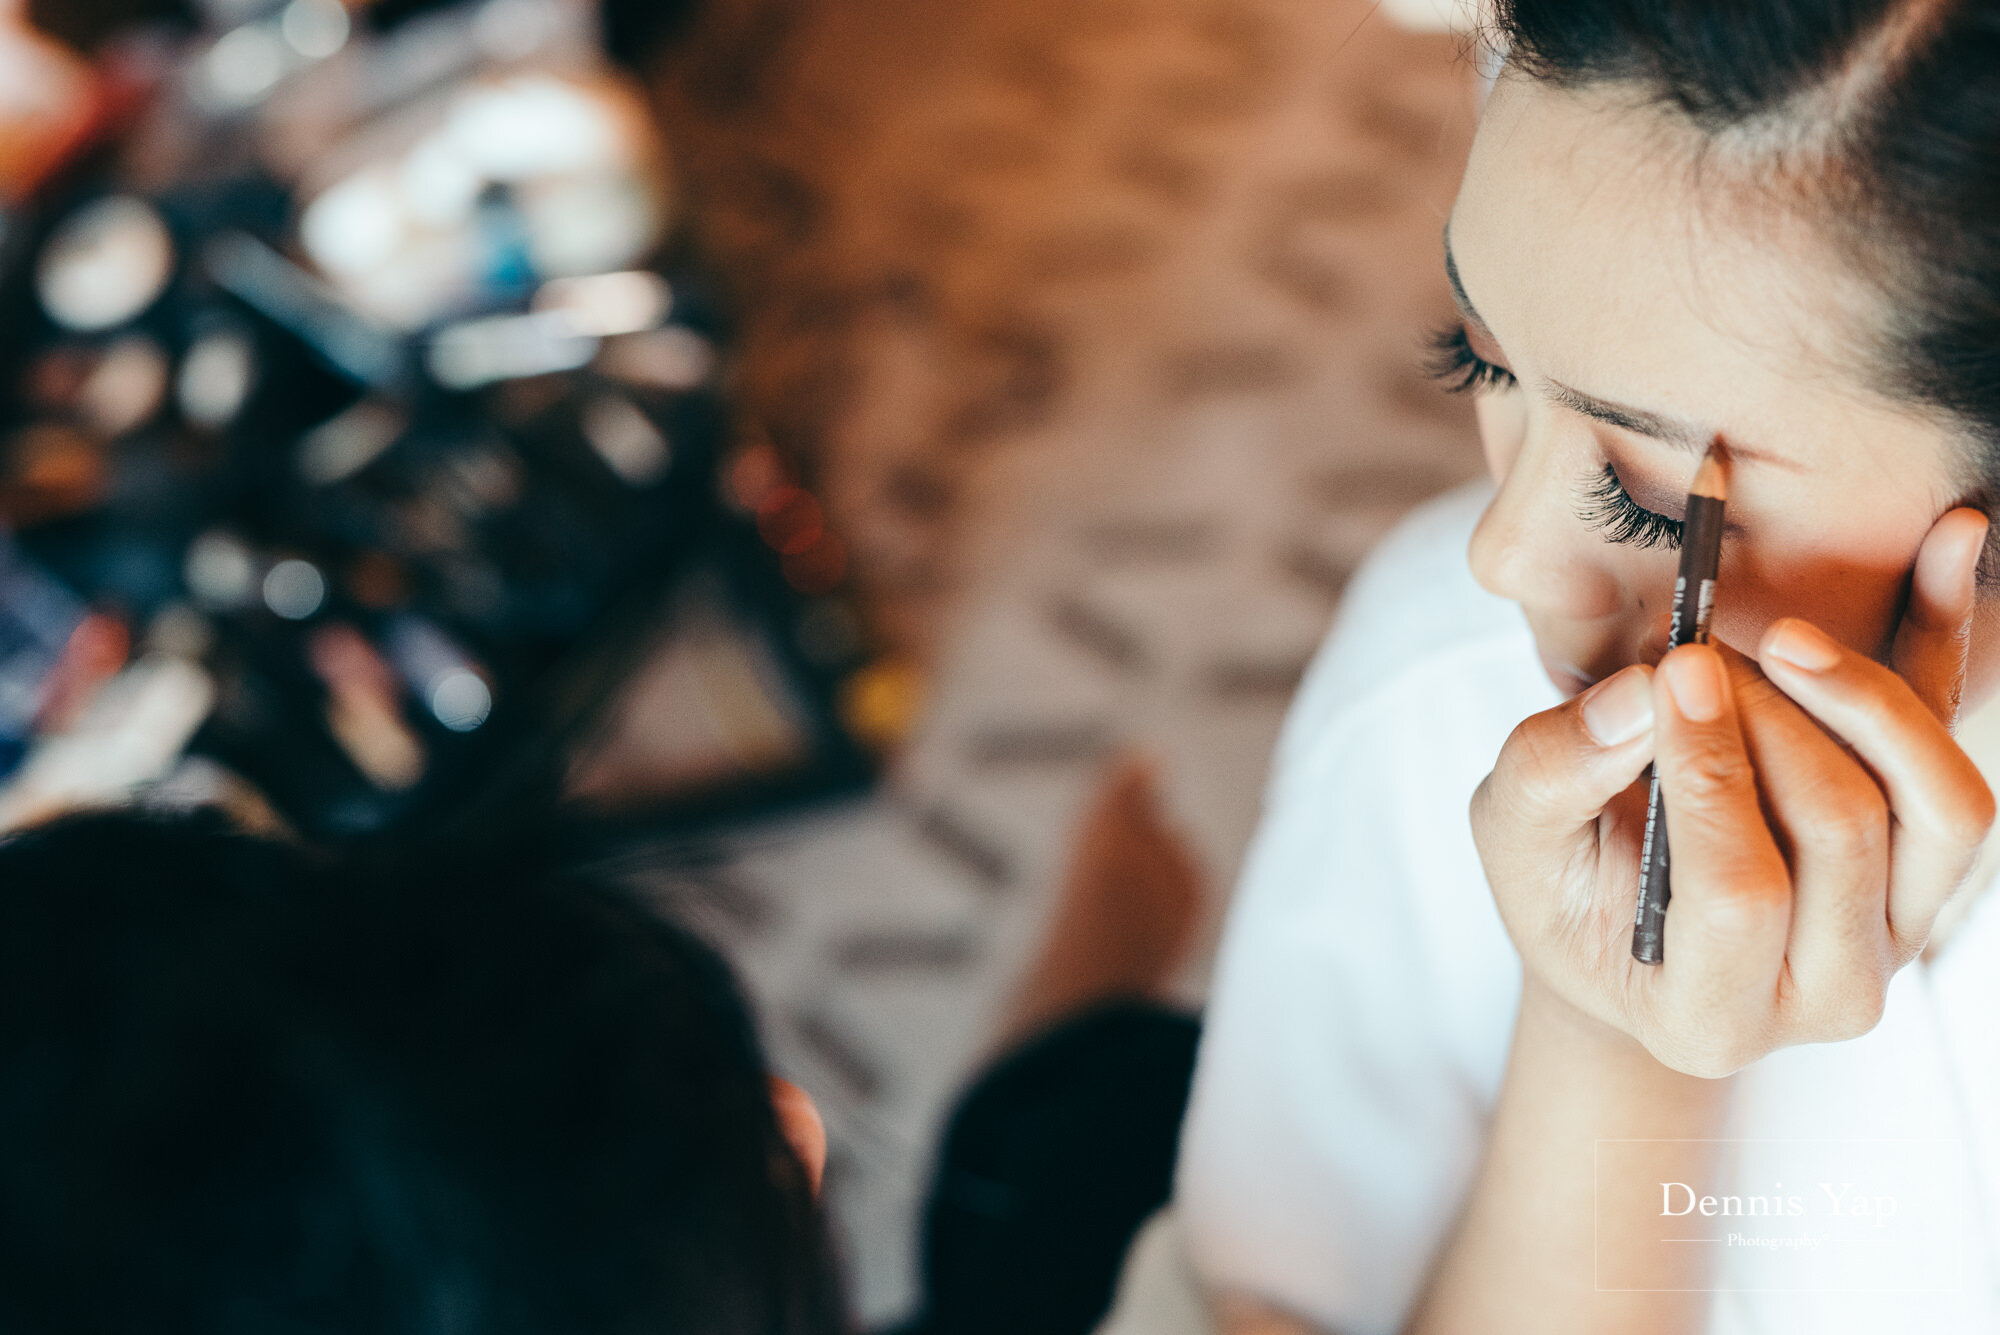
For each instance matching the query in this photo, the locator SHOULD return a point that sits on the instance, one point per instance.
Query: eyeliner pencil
(1694, 605)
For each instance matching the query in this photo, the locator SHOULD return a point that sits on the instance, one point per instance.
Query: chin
(1568, 682)
(1608, 653)
(1567, 677)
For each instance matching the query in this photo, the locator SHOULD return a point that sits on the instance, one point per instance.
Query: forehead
(1607, 247)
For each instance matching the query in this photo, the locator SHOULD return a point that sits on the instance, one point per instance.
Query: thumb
(1561, 767)
(1931, 640)
(1731, 888)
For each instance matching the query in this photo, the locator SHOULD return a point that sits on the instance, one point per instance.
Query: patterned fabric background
(1099, 323)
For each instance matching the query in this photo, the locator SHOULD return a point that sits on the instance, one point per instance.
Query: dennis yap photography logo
(1785, 1215)
(1832, 1201)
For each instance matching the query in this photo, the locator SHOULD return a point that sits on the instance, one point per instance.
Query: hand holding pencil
(1819, 812)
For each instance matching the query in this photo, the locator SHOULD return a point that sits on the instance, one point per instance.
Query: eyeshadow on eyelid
(1483, 346)
(1661, 501)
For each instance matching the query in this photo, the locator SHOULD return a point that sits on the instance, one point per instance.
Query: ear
(799, 1122)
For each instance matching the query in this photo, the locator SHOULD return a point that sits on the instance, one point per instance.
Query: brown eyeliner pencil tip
(1712, 478)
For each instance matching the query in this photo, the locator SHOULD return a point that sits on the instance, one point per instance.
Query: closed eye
(1606, 505)
(1461, 370)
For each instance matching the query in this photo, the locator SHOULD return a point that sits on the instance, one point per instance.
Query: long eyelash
(1610, 507)
(1463, 371)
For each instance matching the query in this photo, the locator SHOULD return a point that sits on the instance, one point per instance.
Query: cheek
(1852, 598)
(1503, 424)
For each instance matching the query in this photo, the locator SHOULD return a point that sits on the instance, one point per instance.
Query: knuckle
(1742, 912)
(1844, 1005)
(1709, 1057)
(1481, 808)
(1971, 819)
(1854, 830)
(1527, 775)
(1856, 1012)
(1861, 1014)
(1710, 775)
(1717, 1064)
(1537, 790)
(1701, 1039)
(1904, 944)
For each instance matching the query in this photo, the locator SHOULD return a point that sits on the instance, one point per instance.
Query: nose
(1530, 547)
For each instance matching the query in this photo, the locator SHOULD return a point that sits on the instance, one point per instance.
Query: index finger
(1940, 802)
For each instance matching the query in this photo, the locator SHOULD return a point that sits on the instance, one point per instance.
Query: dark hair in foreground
(242, 1091)
(635, 32)
(1884, 115)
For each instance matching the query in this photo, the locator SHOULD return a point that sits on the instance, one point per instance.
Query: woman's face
(1628, 318)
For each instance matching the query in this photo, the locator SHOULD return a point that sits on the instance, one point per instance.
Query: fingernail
(1802, 645)
(1977, 541)
(1695, 680)
(1965, 564)
(1620, 709)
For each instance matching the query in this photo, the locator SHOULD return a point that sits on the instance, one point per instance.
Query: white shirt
(1364, 1001)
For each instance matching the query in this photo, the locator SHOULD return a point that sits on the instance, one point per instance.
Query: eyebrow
(1458, 296)
(1675, 431)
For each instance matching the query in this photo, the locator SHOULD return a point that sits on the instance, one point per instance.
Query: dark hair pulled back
(1886, 111)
